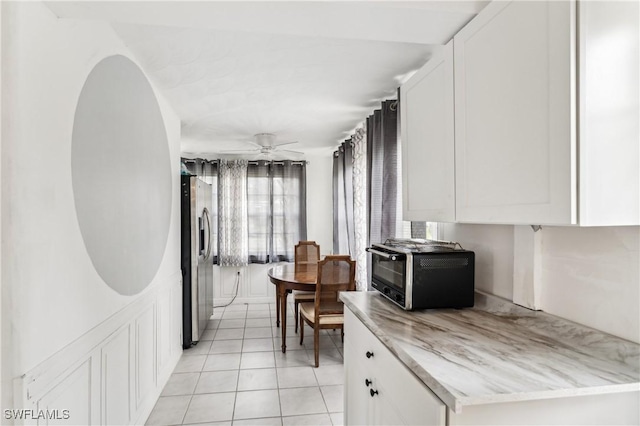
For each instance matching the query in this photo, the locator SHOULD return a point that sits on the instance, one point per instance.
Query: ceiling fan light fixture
(265, 139)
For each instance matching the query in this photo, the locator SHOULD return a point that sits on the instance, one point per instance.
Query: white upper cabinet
(426, 123)
(547, 114)
(515, 110)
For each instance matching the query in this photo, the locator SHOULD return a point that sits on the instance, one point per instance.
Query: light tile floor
(238, 375)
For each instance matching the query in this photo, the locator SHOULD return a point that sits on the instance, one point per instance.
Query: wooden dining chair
(335, 273)
(306, 257)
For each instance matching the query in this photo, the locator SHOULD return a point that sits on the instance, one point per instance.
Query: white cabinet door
(357, 400)
(398, 397)
(515, 114)
(426, 123)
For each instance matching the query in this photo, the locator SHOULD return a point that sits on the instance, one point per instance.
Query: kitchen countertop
(498, 351)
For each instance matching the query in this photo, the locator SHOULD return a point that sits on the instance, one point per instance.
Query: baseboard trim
(242, 300)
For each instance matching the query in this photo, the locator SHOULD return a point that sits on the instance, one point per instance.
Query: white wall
(592, 276)
(493, 246)
(320, 202)
(588, 275)
(55, 294)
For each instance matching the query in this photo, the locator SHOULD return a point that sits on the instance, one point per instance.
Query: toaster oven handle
(390, 256)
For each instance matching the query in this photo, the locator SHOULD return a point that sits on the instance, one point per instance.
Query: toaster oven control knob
(386, 290)
(367, 382)
(369, 354)
(398, 298)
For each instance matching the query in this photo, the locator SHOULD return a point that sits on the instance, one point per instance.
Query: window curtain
(349, 203)
(383, 169)
(359, 141)
(342, 193)
(232, 212)
(277, 210)
(289, 207)
(259, 215)
(383, 190)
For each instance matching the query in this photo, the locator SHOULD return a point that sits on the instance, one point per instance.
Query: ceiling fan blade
(254, 143)
(285, 143)
(293, 152)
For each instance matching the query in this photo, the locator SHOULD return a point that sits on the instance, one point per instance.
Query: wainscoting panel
(254, 286)
(165, 330)
(114, 373)
(116, 368)
(69, 401)
(258, 281)
(229, 279)
(145, 348)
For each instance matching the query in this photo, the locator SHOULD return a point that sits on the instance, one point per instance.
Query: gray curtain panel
(382, 175)
(343, 225)
(349, 202)
(383, 179)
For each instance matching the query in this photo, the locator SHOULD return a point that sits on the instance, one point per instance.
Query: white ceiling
(306, 71)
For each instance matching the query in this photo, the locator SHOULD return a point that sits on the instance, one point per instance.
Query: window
(424, 230)
(259, 212)
(276, 205)
(289, 223)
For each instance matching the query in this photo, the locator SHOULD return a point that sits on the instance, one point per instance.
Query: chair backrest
(335, 273)
(307, 255)
(307, 252)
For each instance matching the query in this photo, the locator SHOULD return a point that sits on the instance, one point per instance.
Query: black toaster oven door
(389, 269)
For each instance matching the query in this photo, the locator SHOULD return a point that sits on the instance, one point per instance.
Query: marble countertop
(498, 351)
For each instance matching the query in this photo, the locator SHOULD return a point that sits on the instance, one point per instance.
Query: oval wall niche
(121, 174)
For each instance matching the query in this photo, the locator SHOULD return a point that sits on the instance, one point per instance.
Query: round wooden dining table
(287, 278)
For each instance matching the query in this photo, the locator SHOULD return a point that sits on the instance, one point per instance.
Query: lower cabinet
(379, 389)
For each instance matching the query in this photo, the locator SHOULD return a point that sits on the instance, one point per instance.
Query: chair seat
(304, 296)
(336, 317)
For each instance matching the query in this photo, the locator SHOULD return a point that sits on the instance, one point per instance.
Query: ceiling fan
(265, 146)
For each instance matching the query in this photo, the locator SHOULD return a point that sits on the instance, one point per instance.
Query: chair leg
(316, 343)
(301, 329)
(295, 309)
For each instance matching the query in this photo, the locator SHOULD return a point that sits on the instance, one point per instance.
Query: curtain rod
(277, 162)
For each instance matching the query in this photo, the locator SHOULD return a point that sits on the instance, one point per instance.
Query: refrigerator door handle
(205, 213)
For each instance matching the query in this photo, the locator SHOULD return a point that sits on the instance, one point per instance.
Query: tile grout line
(235, 397)
(333, 346)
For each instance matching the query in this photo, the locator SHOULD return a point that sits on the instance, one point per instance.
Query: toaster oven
(423, 274)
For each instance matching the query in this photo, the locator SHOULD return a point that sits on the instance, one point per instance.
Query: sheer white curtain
(350, 203)
(359, 141)
(289, 208)
(234, 240)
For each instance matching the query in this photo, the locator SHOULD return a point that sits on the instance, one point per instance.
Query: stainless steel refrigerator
(197, 263)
